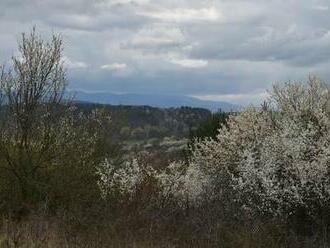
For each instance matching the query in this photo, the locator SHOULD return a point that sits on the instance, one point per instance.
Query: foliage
(209, 127)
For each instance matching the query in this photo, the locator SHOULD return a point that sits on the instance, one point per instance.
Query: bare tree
(31, 94)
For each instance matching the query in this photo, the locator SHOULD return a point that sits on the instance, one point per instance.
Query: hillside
(145, 127)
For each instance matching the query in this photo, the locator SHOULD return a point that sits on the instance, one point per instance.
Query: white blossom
(184, 184)
(275, 158)
(123, 179)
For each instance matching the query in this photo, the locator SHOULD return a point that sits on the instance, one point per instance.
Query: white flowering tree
(275, 159)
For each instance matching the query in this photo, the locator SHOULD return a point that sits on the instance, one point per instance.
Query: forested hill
(145, 122)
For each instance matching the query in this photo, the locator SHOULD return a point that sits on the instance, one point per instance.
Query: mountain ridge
(156, 100)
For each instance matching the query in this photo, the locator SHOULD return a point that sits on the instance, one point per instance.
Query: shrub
(274, 160)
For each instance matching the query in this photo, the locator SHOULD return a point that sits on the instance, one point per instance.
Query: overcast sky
(221, 50)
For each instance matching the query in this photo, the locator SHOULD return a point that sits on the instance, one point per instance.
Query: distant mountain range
(161, 101)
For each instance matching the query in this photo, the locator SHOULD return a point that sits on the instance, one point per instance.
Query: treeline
(144, 122)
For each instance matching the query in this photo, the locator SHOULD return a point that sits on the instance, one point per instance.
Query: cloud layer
(229, 49)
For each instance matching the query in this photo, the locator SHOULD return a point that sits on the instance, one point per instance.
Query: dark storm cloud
(225, 49)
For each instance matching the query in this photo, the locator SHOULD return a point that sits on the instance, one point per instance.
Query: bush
(274, 160)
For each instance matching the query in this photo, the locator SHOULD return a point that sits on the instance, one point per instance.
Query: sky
(230, 50)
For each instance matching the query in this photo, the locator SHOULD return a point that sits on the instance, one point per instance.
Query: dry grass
(40, 232)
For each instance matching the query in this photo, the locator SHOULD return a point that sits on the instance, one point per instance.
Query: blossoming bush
(181, 183)
(132, 183)
(275, 159)
(121, 179)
